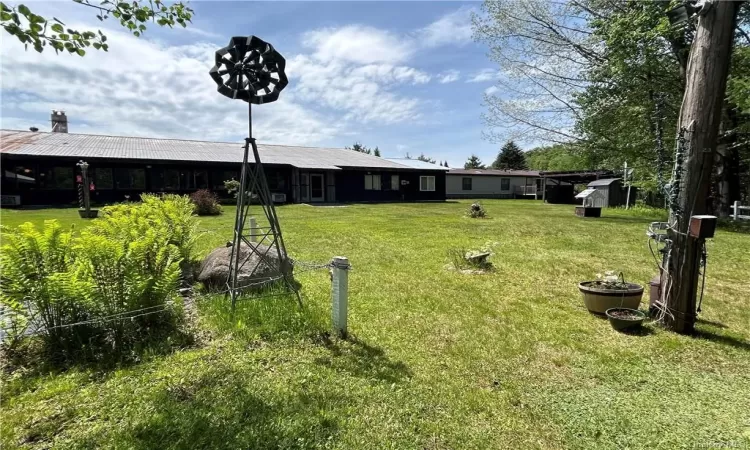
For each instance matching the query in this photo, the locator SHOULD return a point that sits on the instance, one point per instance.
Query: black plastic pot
(621, 323)
(90, 214)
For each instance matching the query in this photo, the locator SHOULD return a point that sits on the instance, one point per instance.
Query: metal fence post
(736, 210)
(340, 294)
(253, 225)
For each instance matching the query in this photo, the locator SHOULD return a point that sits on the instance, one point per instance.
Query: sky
(406, 77)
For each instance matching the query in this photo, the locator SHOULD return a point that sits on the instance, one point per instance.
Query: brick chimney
(59, 121)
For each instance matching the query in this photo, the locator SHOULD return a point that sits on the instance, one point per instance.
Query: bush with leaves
(206, 203)
(117, 281)
(476, 211)
(39, 289)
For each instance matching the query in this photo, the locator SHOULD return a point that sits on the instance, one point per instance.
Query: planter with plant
(610, 291)
(625, 318)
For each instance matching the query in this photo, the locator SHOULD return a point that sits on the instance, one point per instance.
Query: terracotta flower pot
(599, 299)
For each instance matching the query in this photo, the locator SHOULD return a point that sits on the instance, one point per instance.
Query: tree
(510, 157)
(445, 164)
(37, 31)
(376, 152)
(700, 118)
(357, 147)
(557, 157)
(424, 158)
(473, 163)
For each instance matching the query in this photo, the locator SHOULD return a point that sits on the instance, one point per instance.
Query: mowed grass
(437, 359)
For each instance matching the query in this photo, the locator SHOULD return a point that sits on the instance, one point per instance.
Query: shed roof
(139, 148)
(495, 172)
(417, 164)
(603, 182)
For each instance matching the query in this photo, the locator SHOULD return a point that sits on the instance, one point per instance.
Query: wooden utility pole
(707, 71)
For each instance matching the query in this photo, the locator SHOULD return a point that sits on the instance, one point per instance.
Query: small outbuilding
(613, 192)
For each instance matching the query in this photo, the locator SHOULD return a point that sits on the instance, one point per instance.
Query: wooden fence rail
(737, 208)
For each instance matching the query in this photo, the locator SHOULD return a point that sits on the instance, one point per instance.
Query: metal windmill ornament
(250, 69)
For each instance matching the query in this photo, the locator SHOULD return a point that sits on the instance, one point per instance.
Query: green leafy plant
(39, 285)
(206, 203)
(462, 259)
(111, 286)
(30, 28)
(476, 211)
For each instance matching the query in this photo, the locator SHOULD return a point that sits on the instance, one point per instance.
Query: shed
(613, 191)
(592, 198)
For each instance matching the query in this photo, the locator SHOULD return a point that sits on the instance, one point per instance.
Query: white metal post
(253, 226)
(736, 210)
(340, 294)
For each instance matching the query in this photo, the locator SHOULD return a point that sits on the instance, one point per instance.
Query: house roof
(603, 182)
(495, 172)
(139, 148)
(417, 164)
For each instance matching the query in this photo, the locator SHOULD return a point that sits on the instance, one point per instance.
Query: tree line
(601, 82)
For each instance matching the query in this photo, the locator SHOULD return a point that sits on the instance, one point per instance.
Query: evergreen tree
(473, 163)
(510, 157)
(376, 152)
(357, 147)
(424, 158)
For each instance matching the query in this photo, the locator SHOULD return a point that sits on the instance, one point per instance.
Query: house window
(130, 178)
(372, 182)
(394, 182)
(466, 184)
(201, 179)
(218, 177)
(171, 179)
(57, 178)
(504, 184)
(103, 179)
(427, 183)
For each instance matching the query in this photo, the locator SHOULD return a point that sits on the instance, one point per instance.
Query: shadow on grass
(223, 408)
(711, 323)
(723, 340)
(639, 331)
(361, 359)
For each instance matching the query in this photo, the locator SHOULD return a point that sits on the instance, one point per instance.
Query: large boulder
(214, 270)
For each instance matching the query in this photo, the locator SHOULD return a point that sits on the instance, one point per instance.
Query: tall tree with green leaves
(474, 163)
(510, 157)
(424, 158)
(376, 152)
(39, 32)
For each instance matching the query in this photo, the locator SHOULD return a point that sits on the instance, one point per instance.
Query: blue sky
(406, 77)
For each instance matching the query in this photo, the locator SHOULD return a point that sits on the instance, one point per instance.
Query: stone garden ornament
(251, 70)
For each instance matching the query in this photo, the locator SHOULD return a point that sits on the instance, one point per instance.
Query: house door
(317, 193)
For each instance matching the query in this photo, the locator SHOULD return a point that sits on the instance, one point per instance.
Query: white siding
(484, 186)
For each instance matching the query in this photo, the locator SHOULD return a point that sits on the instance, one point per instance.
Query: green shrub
(117, 281)
(39, 285)
(476, 211)
(171, 215)
(206, 203)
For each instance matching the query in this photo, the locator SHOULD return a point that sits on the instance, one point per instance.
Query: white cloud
(452, 28)
(491, 90)
(483, 75)
(449, 76)
(357, 44)
(346, 77)
(146, 88)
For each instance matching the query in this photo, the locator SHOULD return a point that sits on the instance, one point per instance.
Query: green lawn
(437, 360)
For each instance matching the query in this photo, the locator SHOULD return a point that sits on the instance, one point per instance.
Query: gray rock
(214, 270)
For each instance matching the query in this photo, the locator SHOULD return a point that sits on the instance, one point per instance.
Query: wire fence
(261, 287)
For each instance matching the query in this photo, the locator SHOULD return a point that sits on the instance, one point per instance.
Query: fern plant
(39, 289)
